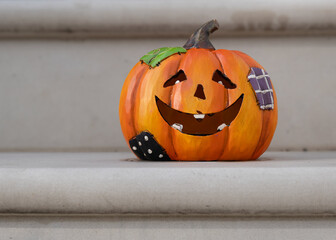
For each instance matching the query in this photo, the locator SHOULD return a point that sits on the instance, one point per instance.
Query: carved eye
(222, 79)
(177, 78)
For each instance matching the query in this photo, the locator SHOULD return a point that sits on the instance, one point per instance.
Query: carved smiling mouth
(200, 124)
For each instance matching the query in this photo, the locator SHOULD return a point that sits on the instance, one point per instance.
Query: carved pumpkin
(198, 103)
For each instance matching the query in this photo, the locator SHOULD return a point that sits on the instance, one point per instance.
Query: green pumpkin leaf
(154, 57)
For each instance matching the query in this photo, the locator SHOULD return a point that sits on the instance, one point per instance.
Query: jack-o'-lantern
(198, 103)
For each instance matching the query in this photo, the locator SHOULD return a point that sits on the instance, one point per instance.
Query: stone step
(284, 195)
(153, 18)
(279, 184)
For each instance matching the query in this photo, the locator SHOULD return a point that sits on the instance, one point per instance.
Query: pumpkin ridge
(131, 92)
(262, 112)
(267, 116)
(170, 132)
(227, 136)
(134, 97)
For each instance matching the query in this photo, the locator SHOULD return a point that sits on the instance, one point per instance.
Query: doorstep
(290, 184)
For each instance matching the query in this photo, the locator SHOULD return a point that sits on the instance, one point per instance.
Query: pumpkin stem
(200, 38)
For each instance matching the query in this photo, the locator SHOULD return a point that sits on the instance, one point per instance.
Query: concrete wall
(60, 79)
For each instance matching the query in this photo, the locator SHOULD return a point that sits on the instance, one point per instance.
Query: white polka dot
(145, 155)
(146, 138)
(134, 148)
(149, 151)
(160, 156)
(139, 143)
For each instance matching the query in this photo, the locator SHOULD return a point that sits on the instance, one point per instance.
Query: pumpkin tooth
(199, 116)
(177, 126)
(221, 127)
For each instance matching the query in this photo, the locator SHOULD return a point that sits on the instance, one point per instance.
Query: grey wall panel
(63, 94)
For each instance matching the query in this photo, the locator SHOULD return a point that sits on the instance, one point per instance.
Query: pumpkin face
(201, 104)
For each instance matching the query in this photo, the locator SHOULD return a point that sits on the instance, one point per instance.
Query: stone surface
(62, 95)
(279, 184)
(165, 228)
(93, 195)
(148, 17)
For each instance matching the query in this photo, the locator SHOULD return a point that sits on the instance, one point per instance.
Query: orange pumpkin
(198, 103)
